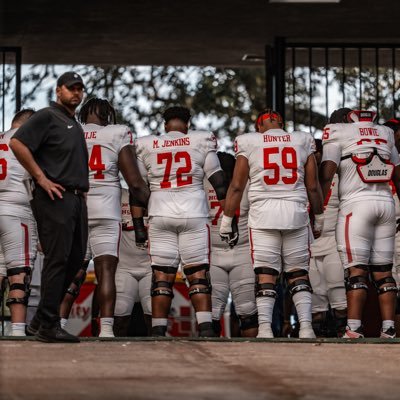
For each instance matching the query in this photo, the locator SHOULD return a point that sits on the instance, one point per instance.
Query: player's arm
(128, 165)
(395, 160)
(314, 193)
(25, 158)
(330, 161)
(137, 213)
(233, 199)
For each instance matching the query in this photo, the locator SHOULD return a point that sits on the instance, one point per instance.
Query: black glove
(140, 233)
(229, 231)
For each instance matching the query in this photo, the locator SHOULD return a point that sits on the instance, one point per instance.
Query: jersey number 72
(169, 159)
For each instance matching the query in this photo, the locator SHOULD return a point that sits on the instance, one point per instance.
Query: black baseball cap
(69, 78)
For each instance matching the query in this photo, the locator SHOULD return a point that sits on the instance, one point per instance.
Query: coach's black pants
(63, 231)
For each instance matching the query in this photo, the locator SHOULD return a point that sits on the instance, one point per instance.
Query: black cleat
(159, 330)
(56, 334)
(33, 328)
(206, 330)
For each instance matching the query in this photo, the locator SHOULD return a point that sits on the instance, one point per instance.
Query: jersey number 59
(3, 163)
(288, 161)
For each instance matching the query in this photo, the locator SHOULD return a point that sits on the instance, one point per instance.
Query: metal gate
(10, 84)
(306, 82)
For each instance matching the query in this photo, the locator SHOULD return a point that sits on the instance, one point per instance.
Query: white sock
(159, 322)
(386, 324)
(354, 324)
(302, 302)
(63, 322)
(265, 307)
(106, 327)
(203, 316)
(18, 329)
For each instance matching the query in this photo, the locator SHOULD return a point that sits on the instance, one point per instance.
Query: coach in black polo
(52, 149)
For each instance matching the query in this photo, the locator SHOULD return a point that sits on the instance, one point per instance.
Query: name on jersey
(90, 135)
(377, 172)
(172, 143)
(285, 138)
(368, 132)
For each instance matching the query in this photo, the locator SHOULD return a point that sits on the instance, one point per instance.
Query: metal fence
(306, 82)
(10, 84)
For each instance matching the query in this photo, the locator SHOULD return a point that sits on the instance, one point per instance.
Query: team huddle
(319, 214)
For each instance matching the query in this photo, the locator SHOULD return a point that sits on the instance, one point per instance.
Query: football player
(18, 236)
(282, 171)
(110, 151)
(231, 269)
(133, 276)
(326, 271)
(175, 164)
(365, 158)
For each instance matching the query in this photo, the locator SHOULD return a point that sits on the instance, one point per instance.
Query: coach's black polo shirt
(58, 145)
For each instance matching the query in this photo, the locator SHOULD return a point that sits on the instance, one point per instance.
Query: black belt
(77, 192)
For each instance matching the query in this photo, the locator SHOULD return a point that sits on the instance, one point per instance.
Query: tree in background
(224, 100)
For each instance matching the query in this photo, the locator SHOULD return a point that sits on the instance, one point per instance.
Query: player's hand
(318, 225)
(141, 238)
(50, 187)
(228, 231)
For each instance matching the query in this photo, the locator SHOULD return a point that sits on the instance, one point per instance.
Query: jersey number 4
(3, 163)
(169, 158)
(96, 163)
(288, 162)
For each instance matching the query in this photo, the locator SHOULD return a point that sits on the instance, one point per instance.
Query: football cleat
(388, 334)
(306, 333)
(357, 334)
(265, 332)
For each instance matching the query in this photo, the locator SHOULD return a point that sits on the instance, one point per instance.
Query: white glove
(228, 230)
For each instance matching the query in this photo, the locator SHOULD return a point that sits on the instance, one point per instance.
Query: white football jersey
(216, 213)
(358, 139)
(14, 200)
(104, 144)
(277, 194)
(326, 243)
(174, 166)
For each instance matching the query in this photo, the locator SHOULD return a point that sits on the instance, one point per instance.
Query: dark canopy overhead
(182, 32)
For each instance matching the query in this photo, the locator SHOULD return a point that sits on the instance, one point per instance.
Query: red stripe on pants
(26, 244)
(347, 238)
(251, 246)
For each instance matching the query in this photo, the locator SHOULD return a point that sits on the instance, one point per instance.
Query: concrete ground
(199, 369)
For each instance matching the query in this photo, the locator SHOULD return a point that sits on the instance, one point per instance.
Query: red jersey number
(181, 178)
(288, 162)
(3, 163)
(96, 163)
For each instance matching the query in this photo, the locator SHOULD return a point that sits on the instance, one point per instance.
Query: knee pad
(202, 281)
(20, 286)
(265, 289)
(357, 282)
(385, 289)
(299, 285)
(162, 288)
(78, 282)
(381, 268)
(248, 321)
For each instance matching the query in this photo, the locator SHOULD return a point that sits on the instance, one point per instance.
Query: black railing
(306, 82)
